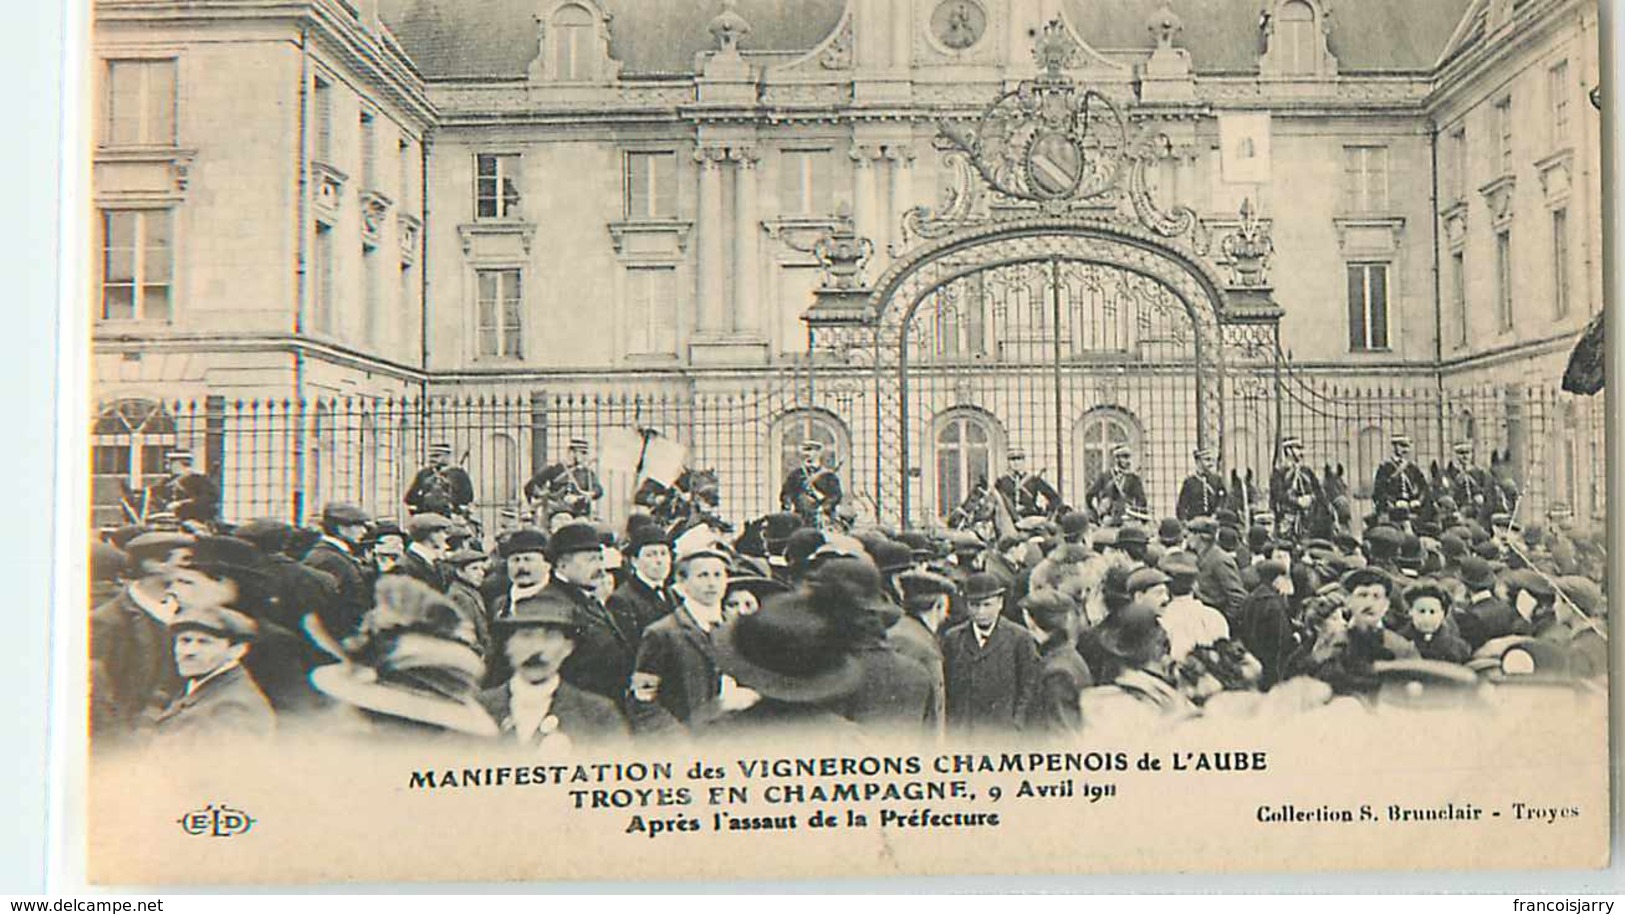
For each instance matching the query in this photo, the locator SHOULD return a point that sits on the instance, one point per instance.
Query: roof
(466, 39)
(1224, 35)
(463, 39)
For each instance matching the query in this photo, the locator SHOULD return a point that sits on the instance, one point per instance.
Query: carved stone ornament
(837, 55)
(843, 254)
(1053, 145)
(729, 28)
(1249, 249)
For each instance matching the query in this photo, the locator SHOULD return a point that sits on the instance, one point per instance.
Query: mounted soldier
(813, 489)
(440, 488)
(570, 486)
(1475, 491)
(1119, 492)
(1203, 492)
(1026, 494)
(1400, 484)
(1296, 496)
(189, 495)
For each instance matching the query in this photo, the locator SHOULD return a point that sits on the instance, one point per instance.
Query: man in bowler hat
(535, 706)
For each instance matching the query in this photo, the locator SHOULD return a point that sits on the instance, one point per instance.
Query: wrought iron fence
(285, 458)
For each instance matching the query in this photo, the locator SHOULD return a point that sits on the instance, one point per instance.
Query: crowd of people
(569, 632)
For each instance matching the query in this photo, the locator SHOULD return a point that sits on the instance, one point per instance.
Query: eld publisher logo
(216, 822)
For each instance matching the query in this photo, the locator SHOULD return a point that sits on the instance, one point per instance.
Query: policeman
(1203, 490)
(1023, 491)
(570, 486)
(185, 493)
(1399, 483)
(440, 488)
(1472, 487)
(1119, 491)
(812, 490)
(1294, 490)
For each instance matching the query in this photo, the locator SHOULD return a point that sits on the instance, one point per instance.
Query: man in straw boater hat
(220, 701)
(441, 487)
(1203, 491)
(408, 671)
(990, 664)
(676, 679)
(535, 706)
(793, 668)
(190, 496)
(131, 651)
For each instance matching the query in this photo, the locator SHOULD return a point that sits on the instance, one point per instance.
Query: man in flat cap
(990, 664)
(1203, 491)
(190, 496)
(926, 597)
(465, 571)
(428, 541)
(1218, 579)
(1369, 592)
(1119, 491)
(535, 706)
(338, 553)
(1190, 623)
(1399, 482)
(813, 490)
(131, 653)
(569, 486)
(440, 488)
(1026, 494)
(220, 701)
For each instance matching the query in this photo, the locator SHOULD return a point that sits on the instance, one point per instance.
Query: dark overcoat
(227, 706)
(584, 717)
(988, 685)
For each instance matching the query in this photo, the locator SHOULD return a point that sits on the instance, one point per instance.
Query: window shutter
(1356, 288)
(1377, 305)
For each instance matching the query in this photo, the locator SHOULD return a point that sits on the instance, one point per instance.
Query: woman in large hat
(798, 666)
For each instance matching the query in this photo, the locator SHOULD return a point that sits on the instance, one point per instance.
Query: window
(1457, 152)
(403, 154)
(409, 294)
(323, 104)
(369, 151)
(1295, 32)
(137, 264)
(1368, 307)
(1368, 453)
(499, 481)
(965, 445)
(1458, 295)
(1557, 95)
(1365, 178)
(496, 187)
(1503, 125)
(500, 306)
(372, 307)
(804, 182)
(1503, 279)
(651, 310)
(1568, 462)
(128, 441)
(960, 319)
(1560, 262)
(572, 37)
(140, 103)
(1097, 434)
(321, 290)
(651, 185)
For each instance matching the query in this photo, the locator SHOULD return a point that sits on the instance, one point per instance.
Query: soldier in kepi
(1026, 494)
(813, 490)
(1294, 490)
(1203, 491)
(1473, 488)
(440, 488)
(1119, 492)
(568, 487)
(1399, 483)
(189, 495)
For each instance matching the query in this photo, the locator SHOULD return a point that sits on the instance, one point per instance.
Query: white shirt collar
(192, 685)
(338, 544)
(424, 551)
(530, 705)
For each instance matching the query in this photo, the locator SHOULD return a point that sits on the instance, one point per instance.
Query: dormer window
(572, 44)
(572, 30)
(1295, 34)
(1296, 31)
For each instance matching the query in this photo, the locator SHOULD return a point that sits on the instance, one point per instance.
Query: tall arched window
(1296, 39)
(966, 441)
(1096, 435)
(1368, 453)
(572, 42)
(800, 425)
(128, 441)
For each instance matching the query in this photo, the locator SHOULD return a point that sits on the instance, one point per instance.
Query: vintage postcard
(736, 439)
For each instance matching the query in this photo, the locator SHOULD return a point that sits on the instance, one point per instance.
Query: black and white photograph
(736, 439)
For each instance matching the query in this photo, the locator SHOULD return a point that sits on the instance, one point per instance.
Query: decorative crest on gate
(1052, 145)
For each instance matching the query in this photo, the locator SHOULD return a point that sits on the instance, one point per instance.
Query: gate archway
(1042, 324)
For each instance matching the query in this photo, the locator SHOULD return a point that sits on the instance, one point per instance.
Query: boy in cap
(927, 597)
(1427, 606)
(535, 707)
(440, 488)
(131, 651)
(990, 664)
(219, 700)
(430, 541)
(465, 572)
